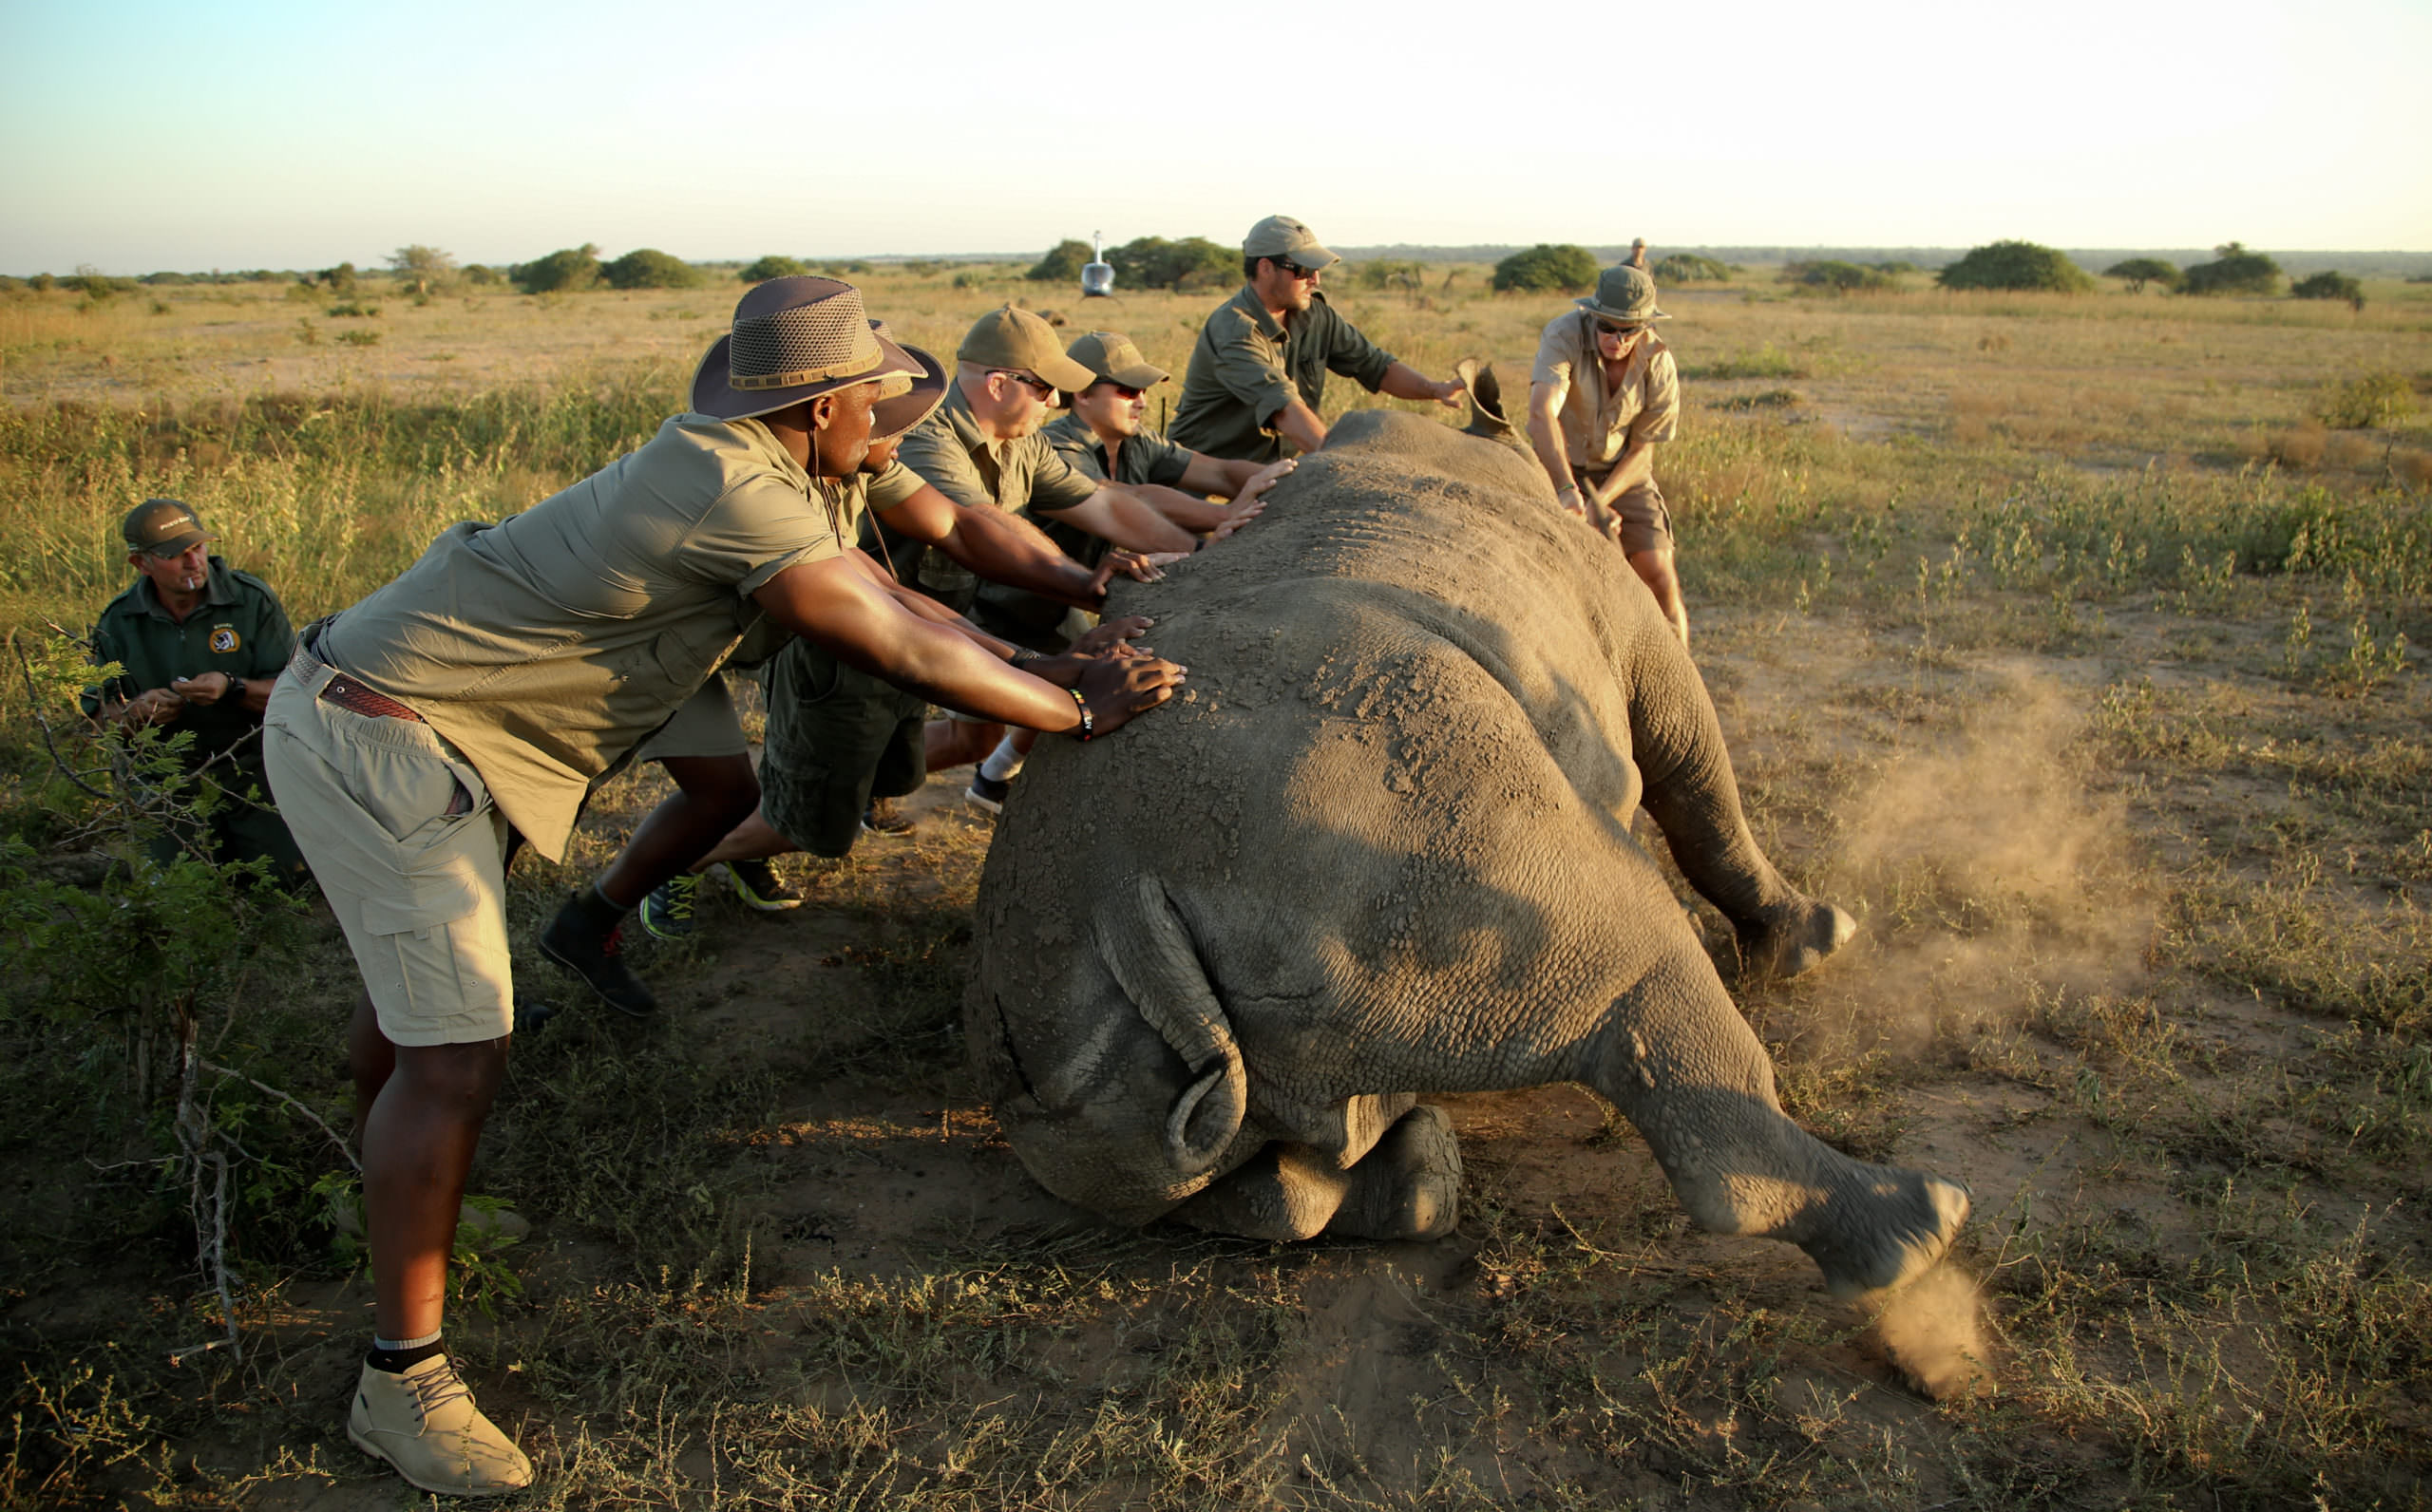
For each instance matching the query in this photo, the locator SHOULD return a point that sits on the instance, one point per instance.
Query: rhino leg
(1407, 1187)
(1676, 742)
(1683, 1065)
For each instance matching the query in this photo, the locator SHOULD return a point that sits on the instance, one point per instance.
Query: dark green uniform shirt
(239, 629)
(1245, 368)
(950, 455)
(1147, 458)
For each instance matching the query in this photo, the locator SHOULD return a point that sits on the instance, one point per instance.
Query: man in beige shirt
(486, 688)
(1603, 393)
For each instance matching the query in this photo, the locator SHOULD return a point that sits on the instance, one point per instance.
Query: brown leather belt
(356, 698)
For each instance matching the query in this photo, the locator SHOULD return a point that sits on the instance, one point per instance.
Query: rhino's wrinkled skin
(1379, 848)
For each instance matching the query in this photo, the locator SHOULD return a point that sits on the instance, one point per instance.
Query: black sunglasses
(1610, 327)
(1037, 385)
(1293, 270)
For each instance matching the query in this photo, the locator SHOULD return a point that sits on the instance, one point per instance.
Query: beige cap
(1110, 355)
(1283, 236)
(1007, 337)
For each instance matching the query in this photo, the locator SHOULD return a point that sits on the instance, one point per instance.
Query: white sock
(1004, 763)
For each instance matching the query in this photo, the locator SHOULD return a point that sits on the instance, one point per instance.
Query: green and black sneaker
(667, 913)
(757, 884)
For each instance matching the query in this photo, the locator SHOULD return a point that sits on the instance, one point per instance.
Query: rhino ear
(1146, 947)
(1485, 401)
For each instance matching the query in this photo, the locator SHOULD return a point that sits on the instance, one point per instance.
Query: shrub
(42, 283)
(1063, 262)
(1688, 267)
(561, 272)
(1829, 273)
(483, 274)
(12, 286)
(649, 267)
(2140, 272)
(1391, 273)
(1153, 262)
(845, 269)
(360, 337)
(96, 285)
(354, 309)
(339, 279)
(2330, 286)
(775, 265)
(423, 269)
(1547, 268)
(2375, 399)
(2237, 271)
(2016, 265)
(164, 280)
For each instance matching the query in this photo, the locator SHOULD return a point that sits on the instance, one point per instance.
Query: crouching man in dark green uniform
(1104, 435)
(200, 643)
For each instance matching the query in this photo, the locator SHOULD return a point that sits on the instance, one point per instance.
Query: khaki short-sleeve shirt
(948, 452)
(548, 645)
(1245, 368)
(1597, 426)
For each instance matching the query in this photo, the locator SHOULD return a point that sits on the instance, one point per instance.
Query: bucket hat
(1283, 236)
(1110, 355)
(1623, 292)
(794, 339)
(904, 403)
(165, 527)
(1007, 337)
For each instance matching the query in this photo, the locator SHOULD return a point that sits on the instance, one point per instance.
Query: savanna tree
(2236, 271)
(1063, 262)
(649, 267)
(775, 265)
(2330, 286)
(1688, 267)
(2139, 272)
(1547, 268)
(2016, 265)
(565, 271)
(424, 268)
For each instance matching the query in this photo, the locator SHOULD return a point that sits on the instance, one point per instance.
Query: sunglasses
(1293, 270)
(1610, 329)
(1037, 385)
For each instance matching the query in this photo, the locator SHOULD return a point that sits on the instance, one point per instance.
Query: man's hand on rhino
(1264, 478)
(1116, 688)
(1449, 393)
(1112, 634)
(1242, 514)
(1139, 566)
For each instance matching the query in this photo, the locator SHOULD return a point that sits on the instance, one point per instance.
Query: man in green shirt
(509, 669)
(1258, 372)
(1103, 435)
(198, 644)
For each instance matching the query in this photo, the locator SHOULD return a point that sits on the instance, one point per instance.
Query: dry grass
(2047, 643)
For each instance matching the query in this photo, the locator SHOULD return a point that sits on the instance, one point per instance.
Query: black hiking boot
(575, 940)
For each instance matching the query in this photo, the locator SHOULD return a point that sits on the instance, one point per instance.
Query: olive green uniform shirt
(1598, 425)
(1246, 367)
(238, 629)
(948, 453)
(1147, 458)
(548, 645)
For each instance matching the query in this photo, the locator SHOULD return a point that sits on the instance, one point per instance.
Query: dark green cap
(165, 527)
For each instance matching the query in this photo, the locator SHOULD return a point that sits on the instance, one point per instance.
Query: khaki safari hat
(165, 527)
(1110, 355)
(904, 403)
(1007, 337)
(794, 339)
(1623, 292)
(1283, 236)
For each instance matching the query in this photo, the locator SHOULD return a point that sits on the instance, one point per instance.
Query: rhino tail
(1146, 947)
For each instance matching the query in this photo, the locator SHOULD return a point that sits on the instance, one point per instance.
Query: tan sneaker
(423, 1422)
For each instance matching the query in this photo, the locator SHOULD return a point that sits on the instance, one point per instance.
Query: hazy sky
(143, 136)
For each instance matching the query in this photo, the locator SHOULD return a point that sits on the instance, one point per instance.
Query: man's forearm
(1636, 466)
(1190, 511)
(1008, 550)
(1120, 516)
(1402, 380)
(1298, 423)
(1553, 453)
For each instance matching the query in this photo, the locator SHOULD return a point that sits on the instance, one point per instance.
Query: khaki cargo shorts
(704, 725)
(401, 834)
(1639, 520)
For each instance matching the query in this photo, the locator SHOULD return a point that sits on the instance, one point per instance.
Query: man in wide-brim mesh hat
(1603, 393)
(482, 693)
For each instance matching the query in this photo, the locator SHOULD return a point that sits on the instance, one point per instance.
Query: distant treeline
(2364, 264)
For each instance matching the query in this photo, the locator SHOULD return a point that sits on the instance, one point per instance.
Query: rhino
(1381, 848)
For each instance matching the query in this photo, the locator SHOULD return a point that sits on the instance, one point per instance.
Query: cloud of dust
(1992, 880)
(1933, 1330)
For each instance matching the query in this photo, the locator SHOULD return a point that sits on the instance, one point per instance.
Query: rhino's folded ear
(1142, 939)
(1487, 418)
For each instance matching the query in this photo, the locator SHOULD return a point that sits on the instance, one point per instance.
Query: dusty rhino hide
(1381, 847)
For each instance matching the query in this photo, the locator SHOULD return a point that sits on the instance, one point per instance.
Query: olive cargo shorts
(1639, 520)
(837, 737)
(401, 834)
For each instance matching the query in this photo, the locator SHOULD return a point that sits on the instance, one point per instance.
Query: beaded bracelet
(1089, 726)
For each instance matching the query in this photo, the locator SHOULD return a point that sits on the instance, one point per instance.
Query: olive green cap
(1623, 292)
(165, 527)
(1110, 355)
(1007, 337)
(1283, 236)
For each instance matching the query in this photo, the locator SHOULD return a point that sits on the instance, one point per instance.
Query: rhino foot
(1408, 1187)
(1898, 1229)
(1793, 940)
